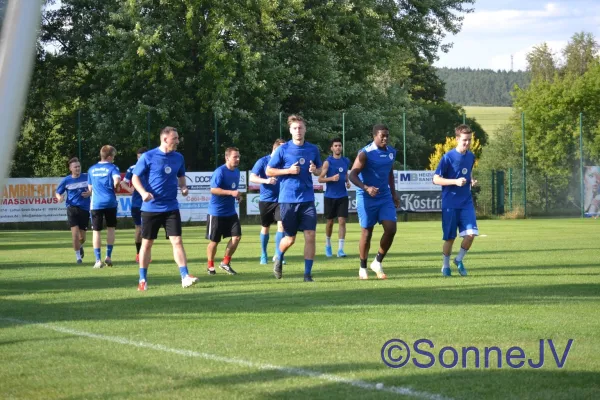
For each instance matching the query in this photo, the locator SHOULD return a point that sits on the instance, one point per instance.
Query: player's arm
(183, 185)
(223, 192)
(60, 191)
(293, 170)
(124, 184)
(392, 183)
(137, 184)
(438, 179)
(262, 181)
(116, 180)
(359, 163)
(323, 176)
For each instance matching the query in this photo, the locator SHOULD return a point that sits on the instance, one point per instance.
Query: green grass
(490, 118)
(529, 280)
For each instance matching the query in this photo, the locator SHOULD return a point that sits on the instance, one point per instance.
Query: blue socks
(278, 237)
(183, 271)
(109, 248)
(264, 241)
(308, 266)
(97, 253)
(143, 274)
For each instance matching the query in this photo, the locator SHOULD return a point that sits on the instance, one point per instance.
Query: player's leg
(97, 225)
(449, 226)
(76, 244)
(234, 230)
(386, 216)
(308, 224)
(136, 215)
(213, 235)
(280, 232)
(266, 218)
(151, 223)
(330, 215)
(84, 220)
(367, 220)
(111, 225)
(342, 212)
(172, 224)
(289, 221)
(467, 228)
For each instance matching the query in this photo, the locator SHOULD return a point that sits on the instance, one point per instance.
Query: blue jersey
(337, 190)
(136, 198)
(454, 165)
(267, 192)
(223, 178)
(74, 188)
(159, 173)
(296, 188)
(376, 171)
(100, 177)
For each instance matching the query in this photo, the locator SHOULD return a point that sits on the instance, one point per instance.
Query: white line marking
(288, 370)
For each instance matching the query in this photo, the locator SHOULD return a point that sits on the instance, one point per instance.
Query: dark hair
(462, 128)
(167, 129)
(72, 160)
(141, 150)
(295, 118)
(229, 150)
(277, 143)
(379, 127)
(335, 140)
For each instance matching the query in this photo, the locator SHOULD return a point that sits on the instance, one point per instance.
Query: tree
(580, 53)
(541, 63)
(449, 144)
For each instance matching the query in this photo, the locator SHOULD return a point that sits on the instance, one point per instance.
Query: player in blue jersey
(268, 205)
(334, 173)
(156, 176)
(455, 174)
(222, 220)
(136, 205)
(103, 179)
(293, 163)
(376, 199)
(78, 205)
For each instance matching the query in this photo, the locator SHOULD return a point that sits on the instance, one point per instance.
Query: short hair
(278, 142)
(107, 151)
(141, 150)
(295, 118)
(230, 149)
(335, 140)
(72, 160)
(379, 127)
(462, 128)
(167, 130)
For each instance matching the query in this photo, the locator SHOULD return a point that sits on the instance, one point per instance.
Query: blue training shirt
(74, 188)
(136, 198)
(267, 192)
(224, 178)
(337, 190)
(100, 177)
(296, 188)
(159, 173)
(376, 172)
(454, 165)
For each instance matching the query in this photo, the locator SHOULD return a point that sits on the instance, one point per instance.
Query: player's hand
(348, 185)
(474, 182)
(312, 167)
(85, 195)
(335, 178)
(460, 182)
(185, 191)
(396, 200)
(61, 197)
(235, 193)
(271, 180)
(147, 196)
(372, 190)
(294, 169)
(239, 198)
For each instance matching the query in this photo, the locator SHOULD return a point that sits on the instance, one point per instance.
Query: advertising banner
(591, 191)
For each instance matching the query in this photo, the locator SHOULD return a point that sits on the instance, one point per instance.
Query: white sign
(31, 200)
(408, 181)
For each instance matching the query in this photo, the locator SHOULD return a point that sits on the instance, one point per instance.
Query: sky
(497, 29)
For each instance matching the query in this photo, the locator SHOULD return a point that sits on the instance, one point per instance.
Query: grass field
(68, 331)
(490, 118)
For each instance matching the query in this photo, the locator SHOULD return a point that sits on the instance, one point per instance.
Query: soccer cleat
(277, 268)
(308, 278)
(81, 252)
(263, 259)
(275, 258)
(461, 268)
(341, 254)
(79, 261)
(188, 281)
(137, 258)
(378, 269)
(227, 268)
(108, 262)
(328, 252)
(142, 286)
(98, 264)
(362, 274)
(211, 270)
(446, 271)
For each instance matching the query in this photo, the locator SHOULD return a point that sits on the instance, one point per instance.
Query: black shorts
(335, 208)
(110, 214)
(152, 221)
(78, 217)
(136, 214)
(222, 227)
(269, 212)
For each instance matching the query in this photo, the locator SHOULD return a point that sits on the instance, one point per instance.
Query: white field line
(236, 361)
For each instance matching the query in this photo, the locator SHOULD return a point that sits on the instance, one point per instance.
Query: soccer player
(335, 174)
(222, 220)
(136, 205)
(376, 199)
(103, 178)
(293, 163)
(78, 205)
(268, 205)
(162, 171)
(455, 174)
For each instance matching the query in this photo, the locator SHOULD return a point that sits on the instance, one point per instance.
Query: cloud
(502, 61)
